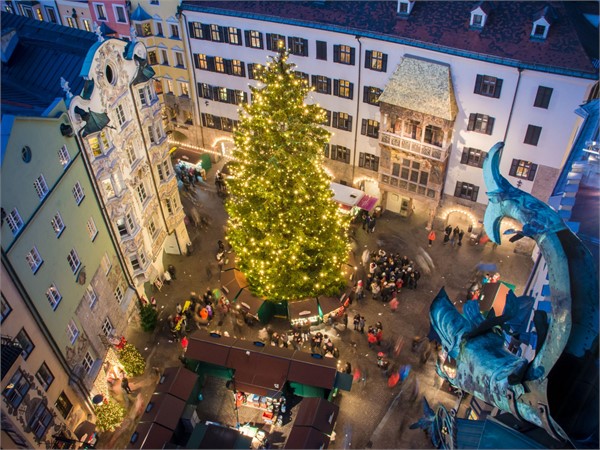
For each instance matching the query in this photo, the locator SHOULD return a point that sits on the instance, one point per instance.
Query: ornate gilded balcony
(398, 142)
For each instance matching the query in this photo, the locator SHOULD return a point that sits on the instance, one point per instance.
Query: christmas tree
(288, 234)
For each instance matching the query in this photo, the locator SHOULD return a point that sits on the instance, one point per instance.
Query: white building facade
(421, 160)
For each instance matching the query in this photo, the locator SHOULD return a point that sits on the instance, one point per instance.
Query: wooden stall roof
(177, 381)
(164, 409)
(329, 304)
(205, 347)
(317, 413)
(303, 308)
(249, 302)
(306, 437)
(148, 435)
(306, 369)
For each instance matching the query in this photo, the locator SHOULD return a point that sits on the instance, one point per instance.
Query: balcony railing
(410, 145)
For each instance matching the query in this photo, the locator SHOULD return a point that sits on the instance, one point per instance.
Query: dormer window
(405, 7)
(479, 15)
(541, 23)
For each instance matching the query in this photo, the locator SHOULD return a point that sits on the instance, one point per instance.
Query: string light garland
(286, 229)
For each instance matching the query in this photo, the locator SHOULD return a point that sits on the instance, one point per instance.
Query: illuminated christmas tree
(284, 226)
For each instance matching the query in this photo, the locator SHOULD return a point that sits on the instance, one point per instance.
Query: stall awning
(177, 381)
(249, 302)
(303, 390)
(231, 282)
(164, 409)
(149, 435)
(367, 202)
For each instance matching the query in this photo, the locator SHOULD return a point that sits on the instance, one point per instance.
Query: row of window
(164, 58)
(13, 218)
(222, 94)
(218, 123)
(491, 87)
(219, 64)
(144, 29)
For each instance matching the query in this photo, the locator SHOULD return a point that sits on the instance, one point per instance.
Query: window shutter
(478, 83)
(368, 56)
(210, 63)
(230, 96)
(457, 189)
(247, 37)
(322, 50)
(475, 193)
(199, 90)
(218, 124)
(291, 45)
(269, 41)
(328, 117)
(464, 159)
(513, 167)
(196, 63)
(203, 119)
(313, 80)
(251, 71)
(472, 119)
(532, 172)
(191, 30)
(361, 160)
(376, 168)
(336, 53)
(334, 122)
(490, 125)
(223, 34)
(347, 156)
(349, 123)
(351, 91)
(363, 128)
(498, 88)
(326, 149)
(365, 94)
(239, 36)
(243, 69)
(352, 55)
(304, 47)
(336, 87)
(329, 86)
(215, 93)
(384, 63)
(228, 68)
(206, 32)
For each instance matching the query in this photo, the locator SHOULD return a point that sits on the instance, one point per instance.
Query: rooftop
(444, 27)
(44, 53)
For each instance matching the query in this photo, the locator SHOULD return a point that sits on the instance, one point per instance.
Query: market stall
(330, 306)
(317, 413)
(149, 435)
(306, 437)
(352, 200)
(229, 280)
(213, 435)
(309, 371)
(302, 310)
(253, 306)
(164, 409)
(177, 381)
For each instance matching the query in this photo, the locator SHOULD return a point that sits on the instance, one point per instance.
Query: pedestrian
(305, 328)
(372, 224)
(345, 320)
(371, 339)
(394, 304)
(184, 343)
(461, 233)
(365, 220)
(125, 384)
(285, 340)
(356, 321)
(361, 324)
(178, 308)
(454, 237)
(447, 232)
(348, 368)
(431, 237)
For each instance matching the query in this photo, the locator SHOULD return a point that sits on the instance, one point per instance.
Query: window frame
(376, 60)
(370, 128)
(124, 12)
(20, 387)
(481, 123)
(344, 54)
(321, 52)
(34, 259)
(6, 309)
(73, 260)
(120, 112)
(15, 222)
(532, 135)
(88, 362)
(25, 350)
(322, 84)
(522, 169)
(91, 296)
(40, 421)
(488, 86)
(44, 381)
(543, 97)
(41, 187)
(340, 153)
(370, 92)
(64, 156)
(100, 12)
(179, 59)
(92, 228)
(254, 39)
(78, 193)
(473, 157)
(342, 121)
(368, 161)
(72, 331)
(107, 327)
(65, 409)
(176, 34)
(462, 190)
(53, 296)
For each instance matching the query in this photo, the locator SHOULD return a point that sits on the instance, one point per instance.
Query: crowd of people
(387, 274)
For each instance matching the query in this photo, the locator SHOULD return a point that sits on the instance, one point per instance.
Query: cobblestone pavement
(372, 414)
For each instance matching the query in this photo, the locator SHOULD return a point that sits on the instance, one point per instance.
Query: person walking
(356, 321)
(431, 237)
(394, 304)
(361, 324)
(372, 224)
(447, 232)
(461, 233)
(345, 320)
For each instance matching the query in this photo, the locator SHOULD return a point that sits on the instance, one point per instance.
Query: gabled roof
(140, 14)
(441, 26)
(44, 53)
(547, 12)
(423, 86)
